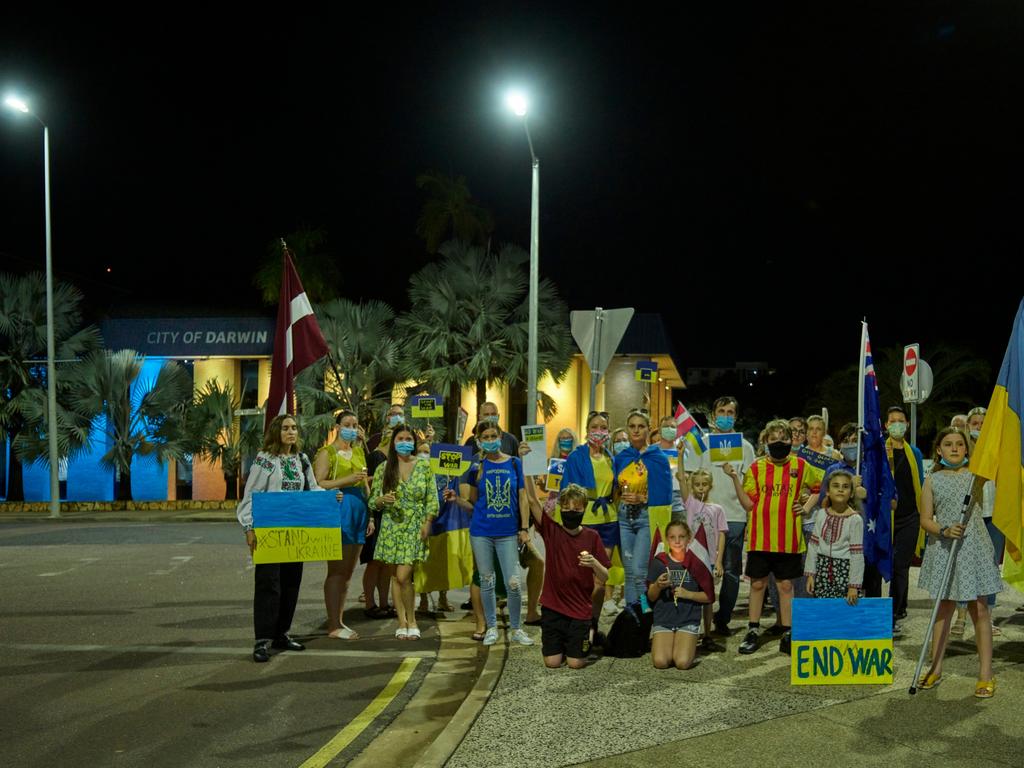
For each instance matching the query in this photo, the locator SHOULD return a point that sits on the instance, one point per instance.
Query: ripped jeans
(635, 543)
(507, 550)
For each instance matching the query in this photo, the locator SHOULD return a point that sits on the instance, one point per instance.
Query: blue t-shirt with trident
(496, 512)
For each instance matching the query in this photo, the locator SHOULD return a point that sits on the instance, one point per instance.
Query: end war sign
(839, 644)
(297, 526)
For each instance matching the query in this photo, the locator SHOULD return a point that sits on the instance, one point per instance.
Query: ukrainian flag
(997, 455)
(449, 563)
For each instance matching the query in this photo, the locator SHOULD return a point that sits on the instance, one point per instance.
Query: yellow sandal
(928, 680)
(985, 689)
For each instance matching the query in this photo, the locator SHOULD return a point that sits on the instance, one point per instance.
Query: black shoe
(750, 642)
(722, 630)
(285, 643)
(467, 606)
(599, 639)
(901, 615)
(261, 652)
(710, 646)
(774, 630)
(786, 644)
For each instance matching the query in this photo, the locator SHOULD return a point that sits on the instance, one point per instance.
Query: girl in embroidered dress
(694, 490)
(835, 551)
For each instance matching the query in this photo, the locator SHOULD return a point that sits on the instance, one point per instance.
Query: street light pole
(51, 368)
(517, 103)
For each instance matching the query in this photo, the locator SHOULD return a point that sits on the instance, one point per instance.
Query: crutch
(953, 550)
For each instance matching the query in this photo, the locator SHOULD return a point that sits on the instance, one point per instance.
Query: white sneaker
(519, 636)
(610, 608)
(491, 636)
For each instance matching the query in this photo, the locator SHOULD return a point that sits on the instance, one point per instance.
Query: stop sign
(910, 361)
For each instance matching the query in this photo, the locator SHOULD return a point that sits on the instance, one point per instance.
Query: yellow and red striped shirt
(775, 490)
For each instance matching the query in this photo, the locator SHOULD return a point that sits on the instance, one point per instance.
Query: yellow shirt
(604, 476)
(633, 479)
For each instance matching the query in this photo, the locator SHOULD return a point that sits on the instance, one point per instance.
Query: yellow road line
(348, 734)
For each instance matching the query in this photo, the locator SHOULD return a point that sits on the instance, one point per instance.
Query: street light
(518, 103)
(19, 105)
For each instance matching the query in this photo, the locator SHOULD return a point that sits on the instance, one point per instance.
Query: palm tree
(216, 432)
(450, 212)
(23, 368)
(319, 272)
(136, 418)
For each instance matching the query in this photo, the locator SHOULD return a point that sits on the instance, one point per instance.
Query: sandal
(413, 633)
(401, 633)
(344, 633)
(958, 627)
(996, 631)
(985, 689)
(478, 636)
(928, 680)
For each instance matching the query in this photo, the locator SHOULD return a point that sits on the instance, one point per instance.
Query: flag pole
(860, 388)
(947, 577)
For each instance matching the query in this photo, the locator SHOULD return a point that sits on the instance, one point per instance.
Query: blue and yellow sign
(815, 459)
(839, 644)
(450, 460)
(646, 371)
(296, 527)
(726, 447)
(553, 481)
(427, 406)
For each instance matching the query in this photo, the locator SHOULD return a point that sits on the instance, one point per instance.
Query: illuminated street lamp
(518, 103)
(51, 370)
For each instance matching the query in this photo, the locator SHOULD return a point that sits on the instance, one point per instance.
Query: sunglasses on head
(602, 414)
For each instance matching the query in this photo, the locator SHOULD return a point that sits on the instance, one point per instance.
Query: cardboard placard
(450, 460)
(536, 461)
(839, 644)
(296, 527)
(553, 481)
(427, 406)
(646, 371)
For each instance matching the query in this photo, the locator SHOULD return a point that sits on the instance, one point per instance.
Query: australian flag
(874, 470)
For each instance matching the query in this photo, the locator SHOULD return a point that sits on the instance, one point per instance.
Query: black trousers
(872, 581)
(274, 598)
(904, 539)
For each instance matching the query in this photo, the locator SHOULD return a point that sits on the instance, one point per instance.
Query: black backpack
(630, 635)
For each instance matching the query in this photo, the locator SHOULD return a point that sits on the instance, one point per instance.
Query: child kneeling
(677, 599)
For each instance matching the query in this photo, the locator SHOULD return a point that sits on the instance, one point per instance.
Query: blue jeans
(732, 566)
(507, 550)
(998, 543)
(635, 548)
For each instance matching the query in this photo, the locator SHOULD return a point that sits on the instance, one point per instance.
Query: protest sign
(297, 526)
(427, 406)
(450, 460)
(536, 461)
(556, 468)
(646, 371)
(839, 644)
(726, 447)
(815, 459)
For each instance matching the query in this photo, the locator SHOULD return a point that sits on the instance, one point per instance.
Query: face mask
(849, 453)
(668, 433)
(975, 434)
(395, 420)
(725, 423)
(598, 436)
(948, 465)
(492, 419)
(620, 447)
(490, 446)
(897, 429)
(349, 435)
(565, 444)
(779, 449)
(571, 520)
(405, 447)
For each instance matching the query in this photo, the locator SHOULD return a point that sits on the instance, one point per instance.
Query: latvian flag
(298, 342)
(686, 426)
(697, 559)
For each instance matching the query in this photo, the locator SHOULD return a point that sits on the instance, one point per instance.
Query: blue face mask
(490, 446)
(621, 446)
(849, 453)
(668, 433)
(395, 420)
(948, 465)
(493, 418)
(565, 444)
(725, 423)
(405, 447)
(349, 435)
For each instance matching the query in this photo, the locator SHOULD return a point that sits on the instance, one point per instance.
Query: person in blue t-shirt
(498, 527)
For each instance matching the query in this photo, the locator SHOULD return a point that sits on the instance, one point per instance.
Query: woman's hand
(634, 498)
(809, 585)
(425, 530)
(955, 531)
(729, 470)
(428, 433)
(387, 499)
(851, 595)
(719, 571)
(371, 526)
(356, 478)
(449, 495)
(362, 433)
(250, 539)
(524, 449)
(524, 537)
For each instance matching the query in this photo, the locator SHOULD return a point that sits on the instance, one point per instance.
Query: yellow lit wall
(207, 478)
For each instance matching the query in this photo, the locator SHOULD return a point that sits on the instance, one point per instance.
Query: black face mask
(779, 450)
(571, 520)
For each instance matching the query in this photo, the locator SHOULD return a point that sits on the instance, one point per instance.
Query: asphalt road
(129, 644)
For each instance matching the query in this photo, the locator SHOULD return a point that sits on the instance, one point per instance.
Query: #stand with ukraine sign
(300, 526)
(835, 643)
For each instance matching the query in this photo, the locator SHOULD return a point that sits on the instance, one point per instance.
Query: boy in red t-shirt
(574, 560)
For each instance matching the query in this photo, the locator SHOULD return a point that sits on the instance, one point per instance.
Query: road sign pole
(595, 375)
(913, 423)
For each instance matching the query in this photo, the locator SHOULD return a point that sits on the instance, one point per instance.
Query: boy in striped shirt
(773, 492)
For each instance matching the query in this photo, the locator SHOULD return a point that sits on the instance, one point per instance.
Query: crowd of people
(787, 516)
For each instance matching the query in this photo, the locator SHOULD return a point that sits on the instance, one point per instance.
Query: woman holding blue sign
(342, 465)
(280, 466)
(403, 489)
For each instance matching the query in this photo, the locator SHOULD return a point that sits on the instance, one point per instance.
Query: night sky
(762, 178)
